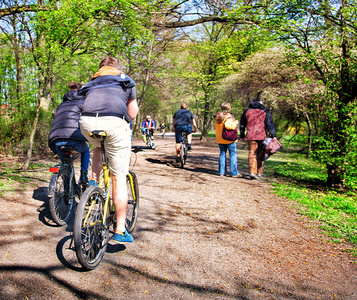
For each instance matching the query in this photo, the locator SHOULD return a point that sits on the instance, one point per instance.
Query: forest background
(299, 56)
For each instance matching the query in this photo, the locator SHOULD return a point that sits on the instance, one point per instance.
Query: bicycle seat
(67, 148)
(98, 134)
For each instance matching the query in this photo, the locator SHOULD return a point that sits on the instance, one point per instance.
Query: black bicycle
(147, 138)
(183, 149)
(63, 188)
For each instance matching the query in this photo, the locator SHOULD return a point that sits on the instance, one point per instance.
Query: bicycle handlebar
(141, 148)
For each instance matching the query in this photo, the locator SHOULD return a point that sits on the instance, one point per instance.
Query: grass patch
(337, 213)
(303, 180)
(11, 174)
(5, 187)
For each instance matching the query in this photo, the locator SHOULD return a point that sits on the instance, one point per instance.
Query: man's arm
(133, 108)
(194, 125)
(173, 124)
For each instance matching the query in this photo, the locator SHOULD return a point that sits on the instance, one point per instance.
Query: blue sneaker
(120, 237)
(93, 182)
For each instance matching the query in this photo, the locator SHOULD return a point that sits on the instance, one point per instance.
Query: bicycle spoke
(62, 200)
(133, 202)
(90, 234)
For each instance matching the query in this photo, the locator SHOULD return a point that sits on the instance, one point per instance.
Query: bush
(16, 130)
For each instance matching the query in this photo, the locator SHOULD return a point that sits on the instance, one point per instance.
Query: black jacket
(65, 124)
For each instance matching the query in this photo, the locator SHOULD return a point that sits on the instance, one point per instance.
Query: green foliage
(14, 135)
(336, 145)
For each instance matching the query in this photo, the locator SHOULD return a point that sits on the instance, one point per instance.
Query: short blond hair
(110, 62)
(184, 106)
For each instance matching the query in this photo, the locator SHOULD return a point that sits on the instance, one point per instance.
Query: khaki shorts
(117, 143)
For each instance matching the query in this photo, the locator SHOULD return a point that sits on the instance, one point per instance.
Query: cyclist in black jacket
(65, 129)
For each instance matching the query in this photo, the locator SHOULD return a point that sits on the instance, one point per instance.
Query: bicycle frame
(183, 148)
(55, 170)
(105, 182)
(184, 138)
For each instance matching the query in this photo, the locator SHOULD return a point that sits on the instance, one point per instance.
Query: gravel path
(199, 236)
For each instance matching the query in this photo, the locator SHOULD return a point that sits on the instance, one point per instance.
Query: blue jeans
(232, 148)
(79, 146)
(178, 132)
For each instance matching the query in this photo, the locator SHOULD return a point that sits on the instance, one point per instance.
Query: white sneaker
(254, 176)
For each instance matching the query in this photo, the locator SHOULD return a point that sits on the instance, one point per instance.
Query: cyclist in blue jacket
(148, 124)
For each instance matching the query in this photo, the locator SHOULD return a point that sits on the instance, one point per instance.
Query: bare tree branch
(21, 9)
(181, 24)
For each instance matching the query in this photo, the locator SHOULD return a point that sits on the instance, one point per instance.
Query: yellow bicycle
(96, 213)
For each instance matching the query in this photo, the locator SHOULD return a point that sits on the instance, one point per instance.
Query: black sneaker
(178, 159)
(84, 177)
(189, 148)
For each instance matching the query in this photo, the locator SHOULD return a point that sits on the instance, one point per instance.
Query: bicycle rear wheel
(90, 235)
(183, 154)
(62, 198)
(133, 201)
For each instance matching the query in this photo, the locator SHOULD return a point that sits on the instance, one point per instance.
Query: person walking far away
(148, 124)
(65, 129)
(225, 118)
(110, 104)
(255, 122)
(163, 128)
(183, 121)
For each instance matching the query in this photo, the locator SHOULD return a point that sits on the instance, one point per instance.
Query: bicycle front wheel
(90, 234)
(133, 201)
(62, 198)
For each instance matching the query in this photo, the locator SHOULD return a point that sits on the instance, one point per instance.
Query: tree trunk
(32, 138)
(41, 102)
(309, 126)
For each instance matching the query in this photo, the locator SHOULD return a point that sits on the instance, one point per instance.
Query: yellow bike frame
(105, 182)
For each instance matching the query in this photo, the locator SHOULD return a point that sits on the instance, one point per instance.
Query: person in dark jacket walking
(65, 129)
(255, 122)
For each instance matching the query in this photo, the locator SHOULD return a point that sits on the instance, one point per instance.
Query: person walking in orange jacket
(224, 145)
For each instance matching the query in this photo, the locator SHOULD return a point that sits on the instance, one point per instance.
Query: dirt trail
(199, 236)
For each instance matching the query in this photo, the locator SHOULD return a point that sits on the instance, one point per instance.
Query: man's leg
(178, 139)
(152, 133)
(189, 138)
(82, 147)
(252, 158)
(120, 200)
(233, 158)
(177, 147)
(222, 159)
(96, 163)
(260, 161)
(188, 129)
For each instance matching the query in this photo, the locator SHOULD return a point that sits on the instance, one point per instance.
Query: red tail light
(54, 169)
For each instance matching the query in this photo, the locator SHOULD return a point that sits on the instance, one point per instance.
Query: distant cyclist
(148, 124)
(163, 128)
(183, 121)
